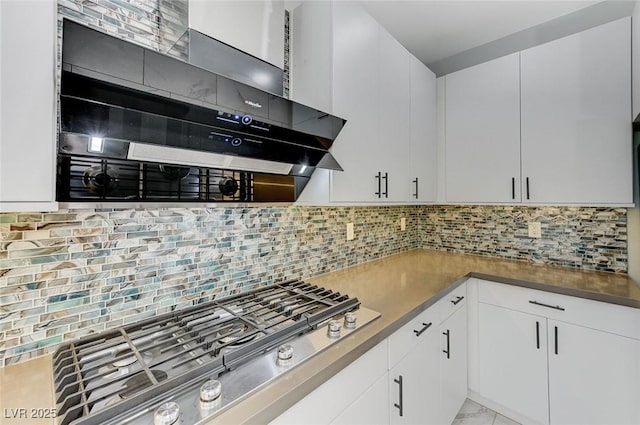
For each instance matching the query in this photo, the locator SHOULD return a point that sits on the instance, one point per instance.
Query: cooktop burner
(213, 353)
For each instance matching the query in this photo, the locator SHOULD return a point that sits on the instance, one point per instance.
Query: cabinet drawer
(451, 302)
(408, 336)
(599, 315)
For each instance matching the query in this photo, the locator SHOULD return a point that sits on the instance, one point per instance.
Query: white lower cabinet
(513, 360)
(372, 408)
(414, 392)
(555, 359)
(453, 365)
(352, 386)
(594, 376)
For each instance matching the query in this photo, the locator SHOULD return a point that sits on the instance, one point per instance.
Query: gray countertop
(399, 287)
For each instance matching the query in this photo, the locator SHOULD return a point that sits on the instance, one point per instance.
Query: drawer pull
(399, 405)
(448, 350)
(421, 331)
(555, 307)
(457, 300)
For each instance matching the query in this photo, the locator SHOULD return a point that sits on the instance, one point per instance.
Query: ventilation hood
(157, 108)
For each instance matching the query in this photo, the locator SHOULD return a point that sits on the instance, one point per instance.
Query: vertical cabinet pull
(527, 184)
(513, 188)
(415, 195)
(424, 328)
(448, 350)
(386, 185)
(555, 337)
(380, 177)
(538, 334)
(399, 404)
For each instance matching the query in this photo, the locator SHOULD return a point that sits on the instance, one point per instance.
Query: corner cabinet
(344, 62)
(547, 125)
(423, 153)
(554, 359)
(27, 106)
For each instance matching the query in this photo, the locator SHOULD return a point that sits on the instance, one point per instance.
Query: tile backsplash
(71, 273)
(584, 238)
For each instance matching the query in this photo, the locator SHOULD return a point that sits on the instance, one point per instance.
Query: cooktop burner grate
(99, 377)
(106, 179)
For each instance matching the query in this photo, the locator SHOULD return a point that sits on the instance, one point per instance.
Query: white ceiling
(436, 29)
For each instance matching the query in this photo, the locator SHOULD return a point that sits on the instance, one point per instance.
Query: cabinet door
(423, 155)
(414, 393)
(594, 376)
(453, 365)
(576, 110)
(27, 105)
(372, 408)
(392, 152)
(355, 98)
(513, 360)
(328, 401)
(483, 132)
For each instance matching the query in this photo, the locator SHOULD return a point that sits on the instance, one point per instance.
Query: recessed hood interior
(145, 106)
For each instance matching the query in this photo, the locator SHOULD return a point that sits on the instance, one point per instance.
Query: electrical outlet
(535, 231)
(350, 232)
(403, 224)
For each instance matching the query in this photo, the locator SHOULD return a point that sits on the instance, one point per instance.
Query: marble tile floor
(472, 413)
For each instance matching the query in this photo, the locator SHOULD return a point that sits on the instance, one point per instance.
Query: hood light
(96, 145)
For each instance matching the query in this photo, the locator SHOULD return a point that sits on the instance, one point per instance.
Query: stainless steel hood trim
(169, 155)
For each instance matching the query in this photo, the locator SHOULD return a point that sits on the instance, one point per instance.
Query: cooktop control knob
(350, 320)
(167, 414)
(210, 390)
(285, 354)
(333, 329)
(247, 119)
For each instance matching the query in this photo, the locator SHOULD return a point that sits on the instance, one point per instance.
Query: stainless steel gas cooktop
(185, 367)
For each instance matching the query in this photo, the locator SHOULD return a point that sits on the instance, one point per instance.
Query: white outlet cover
(535, 230)
(350, 231)
(403, 224)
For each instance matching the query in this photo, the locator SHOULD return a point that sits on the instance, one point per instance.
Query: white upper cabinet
(255, 27)
(482, 157)
(344, 62)
(356, 98)
(394, 114)
(548, 125)
(27, 106)
(576, 118)
(423, 154)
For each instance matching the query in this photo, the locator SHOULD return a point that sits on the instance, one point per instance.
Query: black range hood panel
(114, 89)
